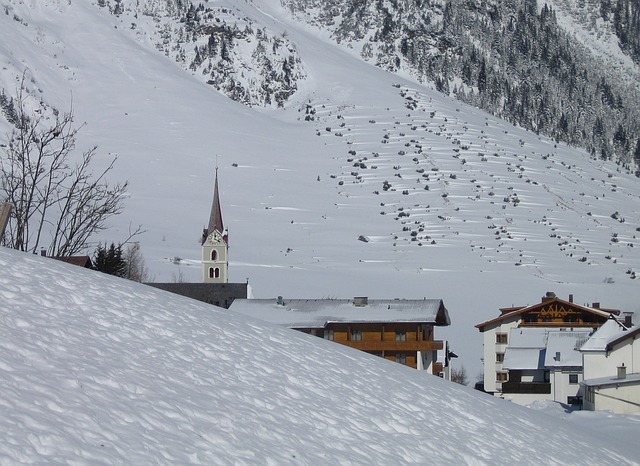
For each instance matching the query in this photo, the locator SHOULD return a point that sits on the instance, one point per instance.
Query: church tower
(215, 245)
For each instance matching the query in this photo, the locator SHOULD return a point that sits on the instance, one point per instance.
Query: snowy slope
(507, 216)
(99, 370)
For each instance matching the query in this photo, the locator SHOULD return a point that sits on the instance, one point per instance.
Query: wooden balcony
(384, 345)
(561, 324)
(537, 388)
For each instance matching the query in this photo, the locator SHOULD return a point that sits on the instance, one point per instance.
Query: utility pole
(5, 210)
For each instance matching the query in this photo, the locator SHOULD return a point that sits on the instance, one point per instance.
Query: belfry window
(214, 255)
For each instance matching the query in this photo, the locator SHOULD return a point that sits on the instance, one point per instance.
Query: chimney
(360, 301)
(628, 319)
(43, 252)
(622, 372)
(596, 305)
(571, 298)
(549, 295)
(280, 301)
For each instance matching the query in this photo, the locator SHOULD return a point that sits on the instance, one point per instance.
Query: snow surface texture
(99, 370)
(507, 216)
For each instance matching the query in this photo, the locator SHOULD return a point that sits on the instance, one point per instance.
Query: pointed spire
(215, 218)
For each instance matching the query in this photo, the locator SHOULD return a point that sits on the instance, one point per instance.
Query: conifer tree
(109, 260)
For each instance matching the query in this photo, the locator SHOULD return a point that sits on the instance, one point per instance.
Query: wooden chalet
(399, 330)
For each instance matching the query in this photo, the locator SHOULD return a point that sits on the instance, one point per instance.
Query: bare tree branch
(50, 194)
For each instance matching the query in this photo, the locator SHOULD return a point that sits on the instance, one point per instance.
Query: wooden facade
(395, 341)
(397, 330)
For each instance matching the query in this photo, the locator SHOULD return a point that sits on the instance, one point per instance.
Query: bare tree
(52, 190)
(459, 376)
(136, 268)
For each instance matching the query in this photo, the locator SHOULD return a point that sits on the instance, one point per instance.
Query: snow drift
(100, 370)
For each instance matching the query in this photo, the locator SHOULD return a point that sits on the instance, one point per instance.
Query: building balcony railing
(526, 387)
(560, 324)
(384, 345)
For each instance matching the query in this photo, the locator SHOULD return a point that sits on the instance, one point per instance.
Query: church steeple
(215, 218)
(215, 247)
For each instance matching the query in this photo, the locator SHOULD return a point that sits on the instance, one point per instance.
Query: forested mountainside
(249, 64)
(511, 58)
(514, 59)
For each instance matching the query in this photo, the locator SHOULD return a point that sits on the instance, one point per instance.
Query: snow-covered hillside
(584, 20)
(100, 370)
(506, 217)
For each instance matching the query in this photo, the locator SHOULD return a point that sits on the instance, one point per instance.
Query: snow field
(100, 370)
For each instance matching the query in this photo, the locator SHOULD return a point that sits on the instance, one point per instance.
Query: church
(398, 330)
(215, 244)
(215, 287)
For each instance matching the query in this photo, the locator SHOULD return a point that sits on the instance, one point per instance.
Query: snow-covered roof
(317, 313)
(537, 348)
(100, 370)
(510, 313)
(610, 331)
(563, 348)
(527, 337)
(526, 349)
(630, 379)
(523, 358)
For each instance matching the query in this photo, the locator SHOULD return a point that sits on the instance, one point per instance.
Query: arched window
(211, 272)
(214, 255)
(217, 273)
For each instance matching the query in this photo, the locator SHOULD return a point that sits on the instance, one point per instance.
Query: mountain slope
(101, 370)
(508, 215)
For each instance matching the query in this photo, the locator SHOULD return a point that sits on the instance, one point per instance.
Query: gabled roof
(317, 313)
(539, 348)
(81, 261)
(525, 349)
(563, 348)
(630, 379)
(508, 313)
(609, 335)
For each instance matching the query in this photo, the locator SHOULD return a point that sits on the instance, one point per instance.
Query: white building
(531, 352)
(543, 364)
(611, 360)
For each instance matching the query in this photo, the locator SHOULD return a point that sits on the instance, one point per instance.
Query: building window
(501, 338)
(589, 395)
(500, 357)
(328, 335)
(501, 376)
(573, 379)
(214, 255)
(211, 272)
(401, 358)
(401, 335)
(217, 272)
(356, 335)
